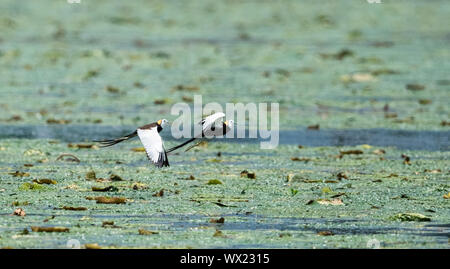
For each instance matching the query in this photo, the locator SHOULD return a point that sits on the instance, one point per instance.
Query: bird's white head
(229, 123)
(163, 123)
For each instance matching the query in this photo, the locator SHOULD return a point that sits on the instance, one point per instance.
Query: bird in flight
(209, 129)
(150, 138)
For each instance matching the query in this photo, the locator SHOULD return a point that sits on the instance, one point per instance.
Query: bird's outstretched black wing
(111, 142)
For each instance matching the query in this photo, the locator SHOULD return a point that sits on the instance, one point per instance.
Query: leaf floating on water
(44, 181)
(30, 186)
(114, 177)
(90, 175)
(140, 149)
(433, 171)
(313, 127)
(108, 200)
(297, 159)
(342, 175)
(60, 121)
(19, 174)
(19, 212)
(218, 233)
(214, 182)
(221, 220)
(358, 77)
(112, 89)
(109, 224)
(185, 88)
(425, 101)
(105, 189)
(139, 186)
(49, 229)
(159, 193)
(248, 174)
(336, 201)
(293, 191)
(74, 208)
(325, 233)
(415, 87)
(340, 55)
(410, 217)
(83, 146)
(92, 246)
(326, 190)
(146, 232)
(379, 151)
(447, 196)
(349, 152)
(406, 159)
(161, 101)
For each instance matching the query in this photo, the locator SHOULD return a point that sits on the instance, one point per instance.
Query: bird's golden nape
(159, 122)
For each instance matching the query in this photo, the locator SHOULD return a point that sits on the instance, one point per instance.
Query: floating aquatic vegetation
(415, 87)
(159, 193)
(105, 189)
(406, 159)
(220, 220)
(146, 232)
(19, 212)
(92, 246)
(50, 229)
(139, 149)
(350, 152)
(56, 121)
(30, 186)
(109, 224)
(335, 201)
(82, 146)
(19, 174)
(71, 208)
(248, 174)
(115, 177)
(108, 200)
(325, 233)
(45, 181)
(410, 217)
(214, 182)
(313, 127)
(90, 175)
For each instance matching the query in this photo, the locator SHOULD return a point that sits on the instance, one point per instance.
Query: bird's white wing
(153, 145)
(209, 121)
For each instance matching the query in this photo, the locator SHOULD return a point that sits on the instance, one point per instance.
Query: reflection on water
(403, 139)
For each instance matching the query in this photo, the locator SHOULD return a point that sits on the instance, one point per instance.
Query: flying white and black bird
(209, 129)
(150, 138)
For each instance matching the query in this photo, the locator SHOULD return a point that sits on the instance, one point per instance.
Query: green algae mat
(363, 89)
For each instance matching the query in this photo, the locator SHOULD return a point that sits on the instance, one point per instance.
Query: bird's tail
(111, 142)
(181, 145)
